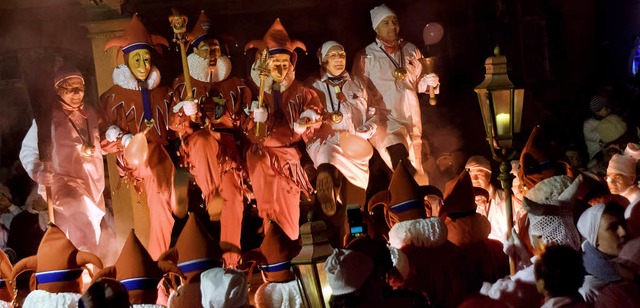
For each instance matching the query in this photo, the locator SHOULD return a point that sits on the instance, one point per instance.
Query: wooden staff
(37, 70)
(179, 25)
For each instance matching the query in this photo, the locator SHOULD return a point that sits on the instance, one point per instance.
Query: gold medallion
(88, 149)
(400, 73)
(336, 117)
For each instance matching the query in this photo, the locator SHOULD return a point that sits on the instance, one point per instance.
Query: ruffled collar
(123, 77)
(199, 68)
(424, 232)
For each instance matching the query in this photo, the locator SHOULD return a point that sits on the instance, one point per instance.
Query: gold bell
(400, 73)
(88, 149)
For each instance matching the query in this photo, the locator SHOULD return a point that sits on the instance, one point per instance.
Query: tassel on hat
(137, 271)
(540, 160)
(57, 264)
(135, 37)
(195, 251)
(404, 200)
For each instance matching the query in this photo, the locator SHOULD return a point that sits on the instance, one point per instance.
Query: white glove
(260, 115)
(112, 133)
(249, 109)
(299, 129)
(366, 131)
(43, 176)
(429, 80)
(126, 139)
(514, 248)
(190, 107)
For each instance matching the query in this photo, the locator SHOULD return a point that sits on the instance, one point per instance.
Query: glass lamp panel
(485, 110)
(310, 283)
(503, 113)
(517, 110)
(324, 283)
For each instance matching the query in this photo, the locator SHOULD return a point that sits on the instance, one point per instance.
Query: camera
(354, 217)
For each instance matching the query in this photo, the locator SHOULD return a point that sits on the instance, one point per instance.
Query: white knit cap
(223, 288)
(347, 270)
(622, 164)
(279, 294)
(400, 261)
(427, 232)
(632, 150)
(378, 13)
(325, 48)
(478, 162)
(589, 223)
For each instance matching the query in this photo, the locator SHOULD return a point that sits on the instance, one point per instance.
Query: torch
(179, 25)
(431, 34)
(263, 67)
(37, 70)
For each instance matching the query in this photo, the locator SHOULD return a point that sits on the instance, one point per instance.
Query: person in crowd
(470, 232)
(225, 288)
(493, 207)
(437, 265)
(289, 113)
(559, 274)
(627, 293)
(138, 103)
(105, 293)
(30, 226)
(604, 229)
(76, 172)
(341, 177)
(600, 108)
(210, 153)
(621, 179)
(8, 211)
(390, 71)
(347, 272)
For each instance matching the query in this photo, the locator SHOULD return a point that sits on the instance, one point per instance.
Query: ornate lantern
(501, 107)
(308, 265)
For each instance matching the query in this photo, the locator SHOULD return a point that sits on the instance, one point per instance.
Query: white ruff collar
(44, 299)
(423, 232)
(199, 68)
(288, 79)
(123, 77)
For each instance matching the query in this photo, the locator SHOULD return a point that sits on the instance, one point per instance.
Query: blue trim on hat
(276, 267)
(539, 168)
(199, 39)
(407, 205)
(59, 275)
(197, 265)
(140, 283)
(135, 46)
(279, 50)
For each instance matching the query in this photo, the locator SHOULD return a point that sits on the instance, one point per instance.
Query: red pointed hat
(540, 160)
(200, 31)
(404, 200)
(135, 37)
(277, 39)
(275, 254)
(195, 251)
(137, 271)
(459, 196)
(57, 264)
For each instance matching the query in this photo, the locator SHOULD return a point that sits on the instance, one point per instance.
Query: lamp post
(501, 107)
(308, 265)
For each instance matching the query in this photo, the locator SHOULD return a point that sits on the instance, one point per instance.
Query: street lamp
(501, 107)
(308, 265)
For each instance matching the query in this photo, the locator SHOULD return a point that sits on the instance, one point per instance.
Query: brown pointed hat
(6, 268)
(277, 39)
(404, 200)
(195, 251)
(135, 37)
(459, 197)
(274, 254)
(137, 271)
(57, 264)
(200, 31)
(540, 159)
